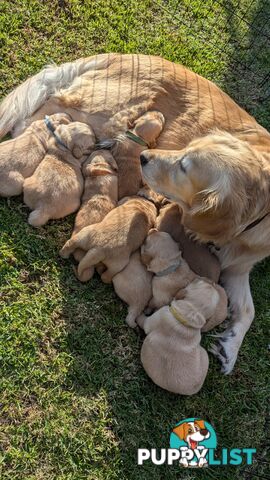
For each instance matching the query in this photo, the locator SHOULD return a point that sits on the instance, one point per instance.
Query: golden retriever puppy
(171, 353)
(197, 255)
(161, 255)
(221, 310)
(126, 151)
(55, 189)
(112, 241)
(20, 157)
(134, 286)
(100, 194)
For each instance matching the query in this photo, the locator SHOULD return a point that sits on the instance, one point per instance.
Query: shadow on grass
(247, 78)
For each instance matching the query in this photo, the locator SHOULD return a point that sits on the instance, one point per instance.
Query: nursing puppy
(197, 255)
(171, 353)
(161, 255)
(221, 311)
(127, 151)
(112, 241)
(55, 189)
(133, 286)
(20, 157)
(100, 194)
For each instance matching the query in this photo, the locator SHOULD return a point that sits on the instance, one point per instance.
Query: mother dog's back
(110, 90)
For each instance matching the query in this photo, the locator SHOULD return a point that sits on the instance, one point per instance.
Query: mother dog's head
(220, 181)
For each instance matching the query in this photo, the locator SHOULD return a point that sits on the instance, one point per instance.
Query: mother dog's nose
(204, 431)
(143, 159)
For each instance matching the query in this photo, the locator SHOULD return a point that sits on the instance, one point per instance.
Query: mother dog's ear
(214, 216)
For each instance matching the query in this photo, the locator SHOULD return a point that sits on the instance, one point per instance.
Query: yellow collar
(178, 316)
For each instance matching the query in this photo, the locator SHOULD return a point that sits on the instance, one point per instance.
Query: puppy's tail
(22, 102)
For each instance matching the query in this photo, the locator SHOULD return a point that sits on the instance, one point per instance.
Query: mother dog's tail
(22, 102)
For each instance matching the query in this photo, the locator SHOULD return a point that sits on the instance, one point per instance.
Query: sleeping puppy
(197, 255)
(100, 194)
(161, 255)
(112, 241)
(55, 189)
(171, 353)
(20, 157)
(133, 286)
(221, 311)
(127, 152)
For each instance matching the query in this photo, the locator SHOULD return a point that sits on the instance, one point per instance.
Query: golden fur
(171, 353)
(127, 152)
(134, 286)
(111, 90)
(197, 255)
(160, 253)
(112, 241)
(20, 157)
(55, 189)
(220, 182)
(100, 194)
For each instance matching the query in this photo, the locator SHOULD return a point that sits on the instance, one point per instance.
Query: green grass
(75, 401)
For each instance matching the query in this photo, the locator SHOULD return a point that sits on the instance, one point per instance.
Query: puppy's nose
(143, 160)
(204, 431)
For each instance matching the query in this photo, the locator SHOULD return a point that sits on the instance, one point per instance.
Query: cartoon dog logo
(192, 433)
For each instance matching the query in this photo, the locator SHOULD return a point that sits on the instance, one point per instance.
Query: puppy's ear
(145, 257)
(87, 169)
(196, 320)
(60, 119)
(77, 151)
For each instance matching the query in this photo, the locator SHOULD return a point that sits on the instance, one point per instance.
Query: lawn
(75, 401)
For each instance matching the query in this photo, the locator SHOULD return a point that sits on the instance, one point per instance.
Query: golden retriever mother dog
(111, 90)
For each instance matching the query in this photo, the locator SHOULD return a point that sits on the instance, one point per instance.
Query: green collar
(168, 270)
(136, 138)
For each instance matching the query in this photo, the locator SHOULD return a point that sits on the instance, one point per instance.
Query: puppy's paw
(78, 254)
(64, 252)
(130, 320)
(37, 218)
(85, 275)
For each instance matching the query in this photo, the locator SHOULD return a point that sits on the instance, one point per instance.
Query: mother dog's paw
(226, 350)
